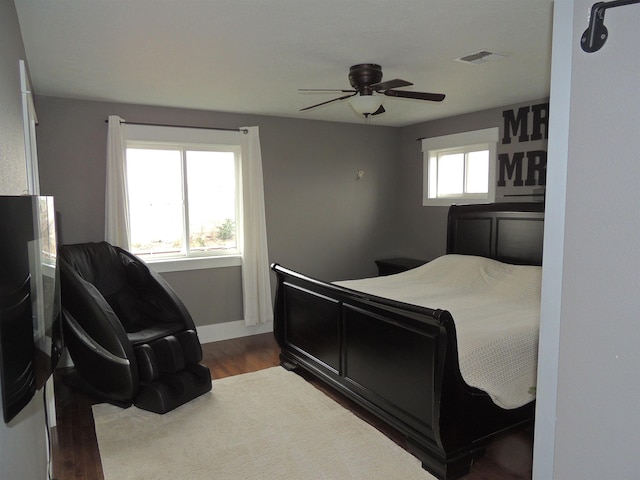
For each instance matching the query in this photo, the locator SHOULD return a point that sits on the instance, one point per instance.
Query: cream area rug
(265, 425)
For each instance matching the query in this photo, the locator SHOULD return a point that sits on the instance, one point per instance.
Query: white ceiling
(252, 56)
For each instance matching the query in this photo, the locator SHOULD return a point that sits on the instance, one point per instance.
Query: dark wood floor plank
(75, 447)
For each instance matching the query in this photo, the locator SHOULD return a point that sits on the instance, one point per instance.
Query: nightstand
(390, 266)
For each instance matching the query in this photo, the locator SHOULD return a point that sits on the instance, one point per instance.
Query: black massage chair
(131, 339)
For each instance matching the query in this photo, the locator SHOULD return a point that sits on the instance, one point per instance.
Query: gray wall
(587, 422)
(22, 442)
(320, 219)
(422, 232)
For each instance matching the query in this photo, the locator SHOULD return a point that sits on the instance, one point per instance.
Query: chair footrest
(167, 355)
(172, 390)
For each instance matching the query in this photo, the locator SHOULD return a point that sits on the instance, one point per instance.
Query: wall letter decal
(515, 124)
(536, 163)
(540, 120)
(510, 167)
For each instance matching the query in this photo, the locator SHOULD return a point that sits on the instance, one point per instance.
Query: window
(460, 167)
(184, 197)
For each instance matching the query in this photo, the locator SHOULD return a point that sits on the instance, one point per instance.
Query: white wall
(587, 421)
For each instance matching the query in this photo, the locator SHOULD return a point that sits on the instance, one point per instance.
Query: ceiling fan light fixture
(366, 104)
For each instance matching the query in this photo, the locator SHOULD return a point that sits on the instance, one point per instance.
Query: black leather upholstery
(130, 337)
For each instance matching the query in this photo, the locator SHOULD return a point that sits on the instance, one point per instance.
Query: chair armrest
(91, 344)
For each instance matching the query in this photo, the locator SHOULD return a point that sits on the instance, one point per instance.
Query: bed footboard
(398, 361)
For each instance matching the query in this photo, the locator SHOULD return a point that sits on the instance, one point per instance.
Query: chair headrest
(97, 263)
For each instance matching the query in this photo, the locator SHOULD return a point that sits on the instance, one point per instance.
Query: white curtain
(255, 262)
(116, 198)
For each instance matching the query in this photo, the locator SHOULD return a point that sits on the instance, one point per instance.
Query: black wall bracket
(596, 33)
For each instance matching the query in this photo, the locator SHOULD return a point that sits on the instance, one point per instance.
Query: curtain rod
(243, 130)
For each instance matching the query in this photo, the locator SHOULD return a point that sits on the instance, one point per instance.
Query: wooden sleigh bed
(400, 361)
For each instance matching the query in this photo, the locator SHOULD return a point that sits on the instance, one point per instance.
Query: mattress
(496, 310)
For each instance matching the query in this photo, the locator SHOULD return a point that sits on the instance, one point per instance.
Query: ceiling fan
(369, 90)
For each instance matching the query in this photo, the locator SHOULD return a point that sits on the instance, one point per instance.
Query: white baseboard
(228, 330)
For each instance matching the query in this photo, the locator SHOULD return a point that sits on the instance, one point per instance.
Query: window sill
(201, 263)
(447, 202)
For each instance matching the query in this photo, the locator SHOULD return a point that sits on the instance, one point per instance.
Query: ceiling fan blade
(328, 101)
(325, 90)
(433, 97)
(395, 83)
(379, 111)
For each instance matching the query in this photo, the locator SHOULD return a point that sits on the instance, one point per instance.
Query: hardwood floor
(75, 449)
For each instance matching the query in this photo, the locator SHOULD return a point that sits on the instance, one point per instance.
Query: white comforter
(496, 309)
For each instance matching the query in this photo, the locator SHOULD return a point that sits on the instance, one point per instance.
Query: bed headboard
(508, 232)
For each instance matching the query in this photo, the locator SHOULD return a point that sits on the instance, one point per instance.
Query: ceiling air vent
(483, 56)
